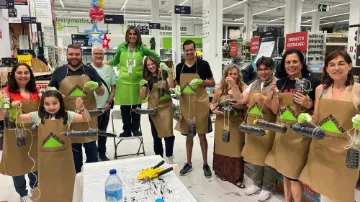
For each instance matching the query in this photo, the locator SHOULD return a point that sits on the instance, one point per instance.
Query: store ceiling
(141, 9)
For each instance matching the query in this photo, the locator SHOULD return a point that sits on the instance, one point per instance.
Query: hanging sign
(114, 19)
(297, 40)
(182, 9)
(154, 25)
(80, 39)
(233, 49)
(254, 45)
(28, 20)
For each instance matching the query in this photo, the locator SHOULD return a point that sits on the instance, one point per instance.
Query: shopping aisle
(209, 190)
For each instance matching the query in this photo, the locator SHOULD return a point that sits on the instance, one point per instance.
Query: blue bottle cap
(159, 200)
(112, 171)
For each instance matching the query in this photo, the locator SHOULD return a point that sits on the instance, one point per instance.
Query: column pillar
(248, 12)
(176, 40)
(315, 22)
(212, 35)
(354, 19)
(5, 50)
(293, 10)
(155, 19)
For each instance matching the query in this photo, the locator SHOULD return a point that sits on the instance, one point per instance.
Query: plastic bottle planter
(228, 111)
(145, 111)
(352, 158)
(280, 128)
(226, 135)
(192, 128)
(306, 131)
(20, 137)
(251, 130)
(8, 124)
(302, 86)
(87, 133)
(96, 112)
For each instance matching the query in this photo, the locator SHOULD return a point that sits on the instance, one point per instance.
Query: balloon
(97, 3)
(101, 4)
(96, 14)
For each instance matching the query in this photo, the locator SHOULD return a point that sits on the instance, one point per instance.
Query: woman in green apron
(326, 171)
(17, 161)
(257, 96)
(55, 161)
(289, 152)
(156, 84)
(227, 161)
(129, 62)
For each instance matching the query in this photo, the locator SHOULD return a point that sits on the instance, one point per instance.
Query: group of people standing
(78, 90)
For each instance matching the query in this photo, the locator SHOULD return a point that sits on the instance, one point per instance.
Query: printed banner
(233, 49)
(254, 45)
(297, 40)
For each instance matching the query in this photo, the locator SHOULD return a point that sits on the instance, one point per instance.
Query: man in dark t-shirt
(76, 68)
(202, 69)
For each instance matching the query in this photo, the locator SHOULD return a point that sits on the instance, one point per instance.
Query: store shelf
(42, 73)
(336, 44)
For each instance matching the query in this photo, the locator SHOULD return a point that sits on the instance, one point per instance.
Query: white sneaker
(25, 199)
(170, 160)
(253, 189)
(264, 195)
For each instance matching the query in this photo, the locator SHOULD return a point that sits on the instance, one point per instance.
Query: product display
(315, 56)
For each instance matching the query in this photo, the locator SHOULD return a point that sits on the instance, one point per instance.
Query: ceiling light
(122, 8)
(334, 22)
(62, 4)
(239, 3)
(271, 9)
(330, 16)
(276, 19)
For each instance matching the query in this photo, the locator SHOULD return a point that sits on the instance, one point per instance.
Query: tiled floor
(206, 190)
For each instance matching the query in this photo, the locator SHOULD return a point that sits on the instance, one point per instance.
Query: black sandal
(240, 185)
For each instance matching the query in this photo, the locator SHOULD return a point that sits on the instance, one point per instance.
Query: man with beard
(78, 80)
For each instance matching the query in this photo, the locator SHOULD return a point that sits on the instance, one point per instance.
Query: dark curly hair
(304, 70)
(61, 114)
(13, 85)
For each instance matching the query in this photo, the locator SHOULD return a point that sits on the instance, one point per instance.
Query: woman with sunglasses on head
(16, 161)
(129, 61)
(229, 141)
(294, 93)
(258, 98)
(326, 169)
(156, 84)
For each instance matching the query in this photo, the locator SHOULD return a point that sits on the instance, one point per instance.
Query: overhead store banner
(43, 11)
(297, 40)
(21, 9)
(254, 45)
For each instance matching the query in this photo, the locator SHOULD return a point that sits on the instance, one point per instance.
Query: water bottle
(113, 188)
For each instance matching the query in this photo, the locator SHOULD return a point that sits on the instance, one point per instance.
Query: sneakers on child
(186, 169)
(264, 195)
(25, 199)
(253, 189)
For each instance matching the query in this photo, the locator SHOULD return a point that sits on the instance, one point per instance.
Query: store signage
(233, 49)
(154, 25)
(6, 4)
(323, 8)
(28, 20)
(254, 45)
(25, 59)
(80, 39)
(182, 9)
(12, 13)
(297, 40)
(114, 19)
(267, 45)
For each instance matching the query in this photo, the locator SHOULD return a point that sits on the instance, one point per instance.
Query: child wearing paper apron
(55, 158)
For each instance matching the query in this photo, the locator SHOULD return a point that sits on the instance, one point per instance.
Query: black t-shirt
(155, 79)
(202, 67)
(61, 72)
(286, 85)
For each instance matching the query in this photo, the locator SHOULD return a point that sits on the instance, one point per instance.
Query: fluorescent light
(239, 3)
(169, 11)
(62, 4)
(330, 16)
(271, 9)
(276, 19)
(122, 8)
(183, 2)
(334, 22)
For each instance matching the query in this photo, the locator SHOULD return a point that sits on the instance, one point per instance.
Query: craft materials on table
(168, 186)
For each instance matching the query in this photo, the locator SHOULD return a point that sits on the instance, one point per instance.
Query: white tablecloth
(168, 186)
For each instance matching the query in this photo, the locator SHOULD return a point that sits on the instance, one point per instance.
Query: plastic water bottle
(113, 188)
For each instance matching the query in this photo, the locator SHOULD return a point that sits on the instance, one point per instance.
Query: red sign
(254, 45)
(233, 49)
(297, 40)
(0, 34)
(351, 49)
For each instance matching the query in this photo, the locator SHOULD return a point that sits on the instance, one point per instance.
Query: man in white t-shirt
(105, 101)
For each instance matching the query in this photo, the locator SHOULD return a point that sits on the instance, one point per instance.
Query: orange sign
(233, 49)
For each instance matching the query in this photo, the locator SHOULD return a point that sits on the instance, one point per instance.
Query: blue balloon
(92, 4)
(97, 3)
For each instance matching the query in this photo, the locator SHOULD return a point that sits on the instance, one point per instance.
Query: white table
(168, 186)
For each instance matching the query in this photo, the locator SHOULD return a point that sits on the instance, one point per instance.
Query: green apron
(129, 78)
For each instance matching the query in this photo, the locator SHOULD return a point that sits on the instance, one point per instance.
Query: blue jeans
(91, 152)
(20, 183)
